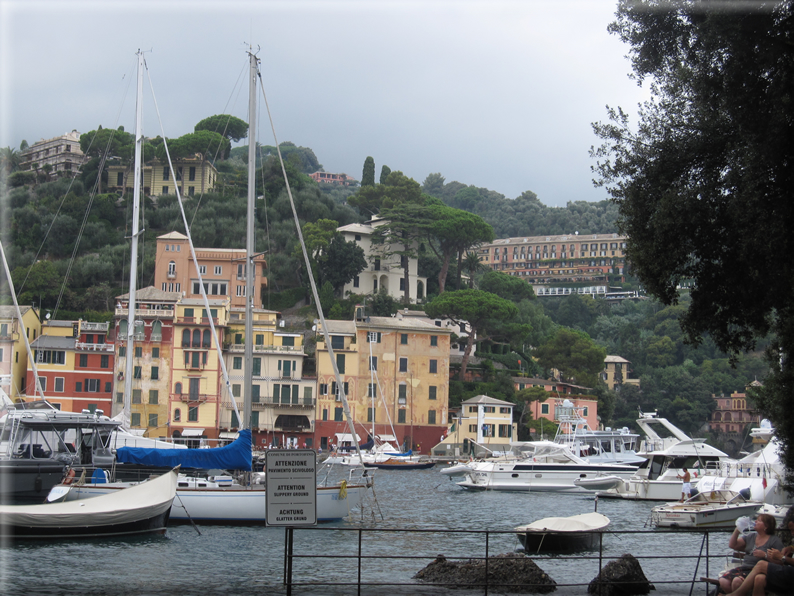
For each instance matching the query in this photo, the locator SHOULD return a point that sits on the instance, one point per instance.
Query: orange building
(732, 414)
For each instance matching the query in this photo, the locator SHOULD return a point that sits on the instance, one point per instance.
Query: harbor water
(250, 560)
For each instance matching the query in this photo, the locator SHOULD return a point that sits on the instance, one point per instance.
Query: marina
(424, 514)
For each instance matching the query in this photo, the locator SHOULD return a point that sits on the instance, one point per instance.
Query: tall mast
(249, 244)
(136, 204)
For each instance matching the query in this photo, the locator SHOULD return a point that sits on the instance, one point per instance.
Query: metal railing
(360, 559)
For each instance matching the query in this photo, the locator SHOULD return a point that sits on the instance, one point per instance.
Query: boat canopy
(235, 456)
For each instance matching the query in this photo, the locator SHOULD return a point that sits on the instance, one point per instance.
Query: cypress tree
(368, 177)
(384, 173)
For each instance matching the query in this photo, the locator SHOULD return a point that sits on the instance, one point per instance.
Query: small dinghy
(599, 482)
(563, 534)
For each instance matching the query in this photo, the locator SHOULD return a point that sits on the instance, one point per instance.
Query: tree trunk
(466, 354)
(460, 262)
(442, 275)
(406, 277)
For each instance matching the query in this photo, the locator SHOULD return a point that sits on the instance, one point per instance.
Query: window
(138, 352)
(434, 340)
(257, 367)
(192, 173)
(432, 392)
(369, 414)
(237, 363)
(120, 179)
(377, 265)
(340, 363)
(154, 397)
(192, 414)
(356, 281)
(179, 172)
(431, 417)
(287, 341)
(505, 431)
(203, 269)
(104, 361)
(178, 389)
(59, 382)
(218, 269)
(172, 273)
(339, 414)
(155, 373)
(544, 408)
(373, 363)
(92, 385)
(108, 387)
(83, 360)
(402, 391)
(402, 284)
(152, 420)
(487, 430)
(119, 397)
(404, 339)
(323, 388)
(254, 419)
(177, 415)
(434, 366)
(236, 390)
(337, 342)
(136, 396)
(403, 364)
(165, 190)
(155, 352)
(401, 416)
(136, 374)
(372, 390)
(135, 419)
(166, 173)
(191, 190)
(255, 394)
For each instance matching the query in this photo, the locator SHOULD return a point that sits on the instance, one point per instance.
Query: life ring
(69, 476)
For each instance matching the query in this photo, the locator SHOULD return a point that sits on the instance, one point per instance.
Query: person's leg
(759, 585)
(749, 582)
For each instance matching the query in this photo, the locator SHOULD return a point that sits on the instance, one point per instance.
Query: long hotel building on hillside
(570, 260)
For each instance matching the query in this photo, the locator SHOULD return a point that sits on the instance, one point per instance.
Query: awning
(228, 435)
(192, 432)
(346, 437)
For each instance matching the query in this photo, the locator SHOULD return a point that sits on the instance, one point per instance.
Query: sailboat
(219, 499)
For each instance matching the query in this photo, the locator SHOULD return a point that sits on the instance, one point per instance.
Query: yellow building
(193, 175)
(395, 373)
(485, 420)
(153, 358)
(13, 353)
(617, 371)
(282, 401)
(196, 376)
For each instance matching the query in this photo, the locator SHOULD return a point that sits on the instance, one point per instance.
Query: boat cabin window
(657, 467)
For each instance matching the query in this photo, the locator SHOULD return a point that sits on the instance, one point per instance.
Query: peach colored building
(222, 271)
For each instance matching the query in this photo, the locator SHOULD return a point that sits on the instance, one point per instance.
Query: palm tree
(9, 159)
(472, 265)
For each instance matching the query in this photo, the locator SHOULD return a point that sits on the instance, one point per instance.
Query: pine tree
(368, 177)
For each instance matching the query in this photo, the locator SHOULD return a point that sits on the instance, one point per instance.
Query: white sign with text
(291, 487)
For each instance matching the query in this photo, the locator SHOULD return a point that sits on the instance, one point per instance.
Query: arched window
(171, 269)
(177, 414)
(186, 338)
(178, 389)
(157, 331)
(717, 417)
(728, 417)
(206, 342)
(196, 338)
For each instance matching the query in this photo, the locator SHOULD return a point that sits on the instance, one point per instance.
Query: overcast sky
(497, 94)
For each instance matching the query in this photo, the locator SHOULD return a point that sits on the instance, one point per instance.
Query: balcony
(146, 313)
(94, 327)
(94, 347)
(187, 398)
(198, 321)
(260, 349)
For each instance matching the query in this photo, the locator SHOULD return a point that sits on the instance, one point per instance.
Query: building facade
(13, 353)
(192, 175)
(485, 420)
(732, 414)
(384, 271)
(75, 362)
(282, 400)
(152, 351)
(222, 271)
(617, 372)
(577, 261)
(62, 154)
(328, 178)
(395, 373)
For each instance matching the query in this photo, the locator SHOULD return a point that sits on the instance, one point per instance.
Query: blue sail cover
(235, 456)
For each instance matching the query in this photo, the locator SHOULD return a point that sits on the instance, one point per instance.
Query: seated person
(776, 572)
(755, 545)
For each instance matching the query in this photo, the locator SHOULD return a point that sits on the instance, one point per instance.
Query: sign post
(291, 487)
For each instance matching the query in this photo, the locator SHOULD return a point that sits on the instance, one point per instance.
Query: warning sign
(291, 487)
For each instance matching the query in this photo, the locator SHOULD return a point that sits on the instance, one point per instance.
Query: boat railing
(673, 563)
(741, 470)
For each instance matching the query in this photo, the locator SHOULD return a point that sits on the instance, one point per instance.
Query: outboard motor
(745, 492)
(694, 493)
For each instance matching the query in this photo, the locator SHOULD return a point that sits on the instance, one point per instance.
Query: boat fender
(69, 476)
(343, 490)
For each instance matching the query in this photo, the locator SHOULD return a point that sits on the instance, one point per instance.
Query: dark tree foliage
(384, 173)
(341, 262)
(704, 183)
(506, 286)
(229, 126)
(368, 174)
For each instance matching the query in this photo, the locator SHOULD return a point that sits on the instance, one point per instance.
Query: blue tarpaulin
(235, 456)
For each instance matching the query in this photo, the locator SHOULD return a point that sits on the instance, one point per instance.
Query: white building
(61, 153)
(383, 271)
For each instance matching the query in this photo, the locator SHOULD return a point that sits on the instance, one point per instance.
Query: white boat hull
(644, 490)
(682, 515)
(239, 504)
(538, 476)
